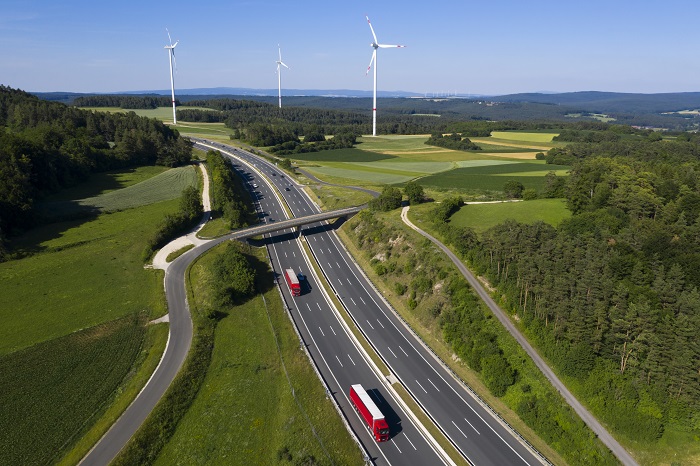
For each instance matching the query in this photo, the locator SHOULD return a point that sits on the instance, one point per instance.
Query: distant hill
(644, 110)
(612, 102)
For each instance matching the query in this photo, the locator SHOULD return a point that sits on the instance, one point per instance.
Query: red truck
(372, 416)
(293, 282)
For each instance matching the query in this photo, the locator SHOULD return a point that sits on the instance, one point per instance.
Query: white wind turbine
(171, 56)
(279, 76)
(376, 46)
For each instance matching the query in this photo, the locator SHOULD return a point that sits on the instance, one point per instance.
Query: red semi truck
(372, 416)
(293, 282)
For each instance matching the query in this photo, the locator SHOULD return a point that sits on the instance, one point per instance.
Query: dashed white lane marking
(337, 334)
(392, 353)
(403, 350)
(472, 426)
(370, 324)
(409, 441)
(353, 362)
(431, 383)
(383, 327)
(426, 391)
(341, 364)
(397, 447)
(322, 331)
(465, 435)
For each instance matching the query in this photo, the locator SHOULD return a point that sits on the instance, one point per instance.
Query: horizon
(484, 50)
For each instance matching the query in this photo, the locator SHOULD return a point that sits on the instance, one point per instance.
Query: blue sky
(494, 47)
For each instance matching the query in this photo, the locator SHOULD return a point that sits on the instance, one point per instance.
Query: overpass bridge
(293, 222)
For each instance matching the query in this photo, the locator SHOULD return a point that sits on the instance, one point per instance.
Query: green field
(492, 177)
(245, 412)
(523, 136)
(481, 217)
(161, 187)
(160, 113)
(78, 274)
(52, 391)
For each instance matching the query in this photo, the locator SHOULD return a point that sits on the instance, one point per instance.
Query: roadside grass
(336, 197)
(246, 412)
(175, 254)
(493, 177)
(481, 217)
(79, 274)
(51, 392)
(161, 187)
(214, 228)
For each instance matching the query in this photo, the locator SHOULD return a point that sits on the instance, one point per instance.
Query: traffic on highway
(472, 427)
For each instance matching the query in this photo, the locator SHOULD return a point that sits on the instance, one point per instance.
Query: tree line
(47, 146)
(611, 296)
(124, 101)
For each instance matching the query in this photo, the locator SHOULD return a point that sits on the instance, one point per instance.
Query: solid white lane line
(431, 383)
(465, 435)
(426, 391)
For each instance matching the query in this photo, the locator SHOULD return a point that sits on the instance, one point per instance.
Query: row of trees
(47, 146)
(453, 141)
(228, 197)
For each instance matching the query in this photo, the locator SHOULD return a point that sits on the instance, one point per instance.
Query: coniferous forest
(611, 296)
(46, 146)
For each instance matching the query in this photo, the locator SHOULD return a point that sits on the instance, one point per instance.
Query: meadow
(163, 186)
(481, 217)
(245, 412)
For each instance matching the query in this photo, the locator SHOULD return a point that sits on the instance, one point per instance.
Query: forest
(47, 146)
(611, 295)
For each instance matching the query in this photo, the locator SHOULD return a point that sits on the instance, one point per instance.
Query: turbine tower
(279, 76)
(171, 56)
(376, 46)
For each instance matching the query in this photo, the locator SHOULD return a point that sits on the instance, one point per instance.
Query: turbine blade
(169, 39)
(280, 51)
(374, 54)
(372, 29)
(281, 63)
(177, 42)
(388, 46)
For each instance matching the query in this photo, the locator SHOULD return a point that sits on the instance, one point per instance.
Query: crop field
(493, 177)
(100, 183)
(160, 113)
(245, 412)
(523, 136)
(481, 217)
(79, 274)
(162, 187)
(362, 175)
(51, 392)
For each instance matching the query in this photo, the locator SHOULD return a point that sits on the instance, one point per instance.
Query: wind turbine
(171, 56)
(279, 76)
(376, 45)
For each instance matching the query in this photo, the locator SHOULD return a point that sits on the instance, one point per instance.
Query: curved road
(617, 449)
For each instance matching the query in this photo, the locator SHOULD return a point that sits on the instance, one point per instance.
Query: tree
(389, 199)
(414, 192)
(513, 189)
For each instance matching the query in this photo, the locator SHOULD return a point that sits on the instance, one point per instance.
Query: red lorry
(372, 416)
(293, 282)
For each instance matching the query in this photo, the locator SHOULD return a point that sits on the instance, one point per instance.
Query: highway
(471, 426)
(337, 356)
